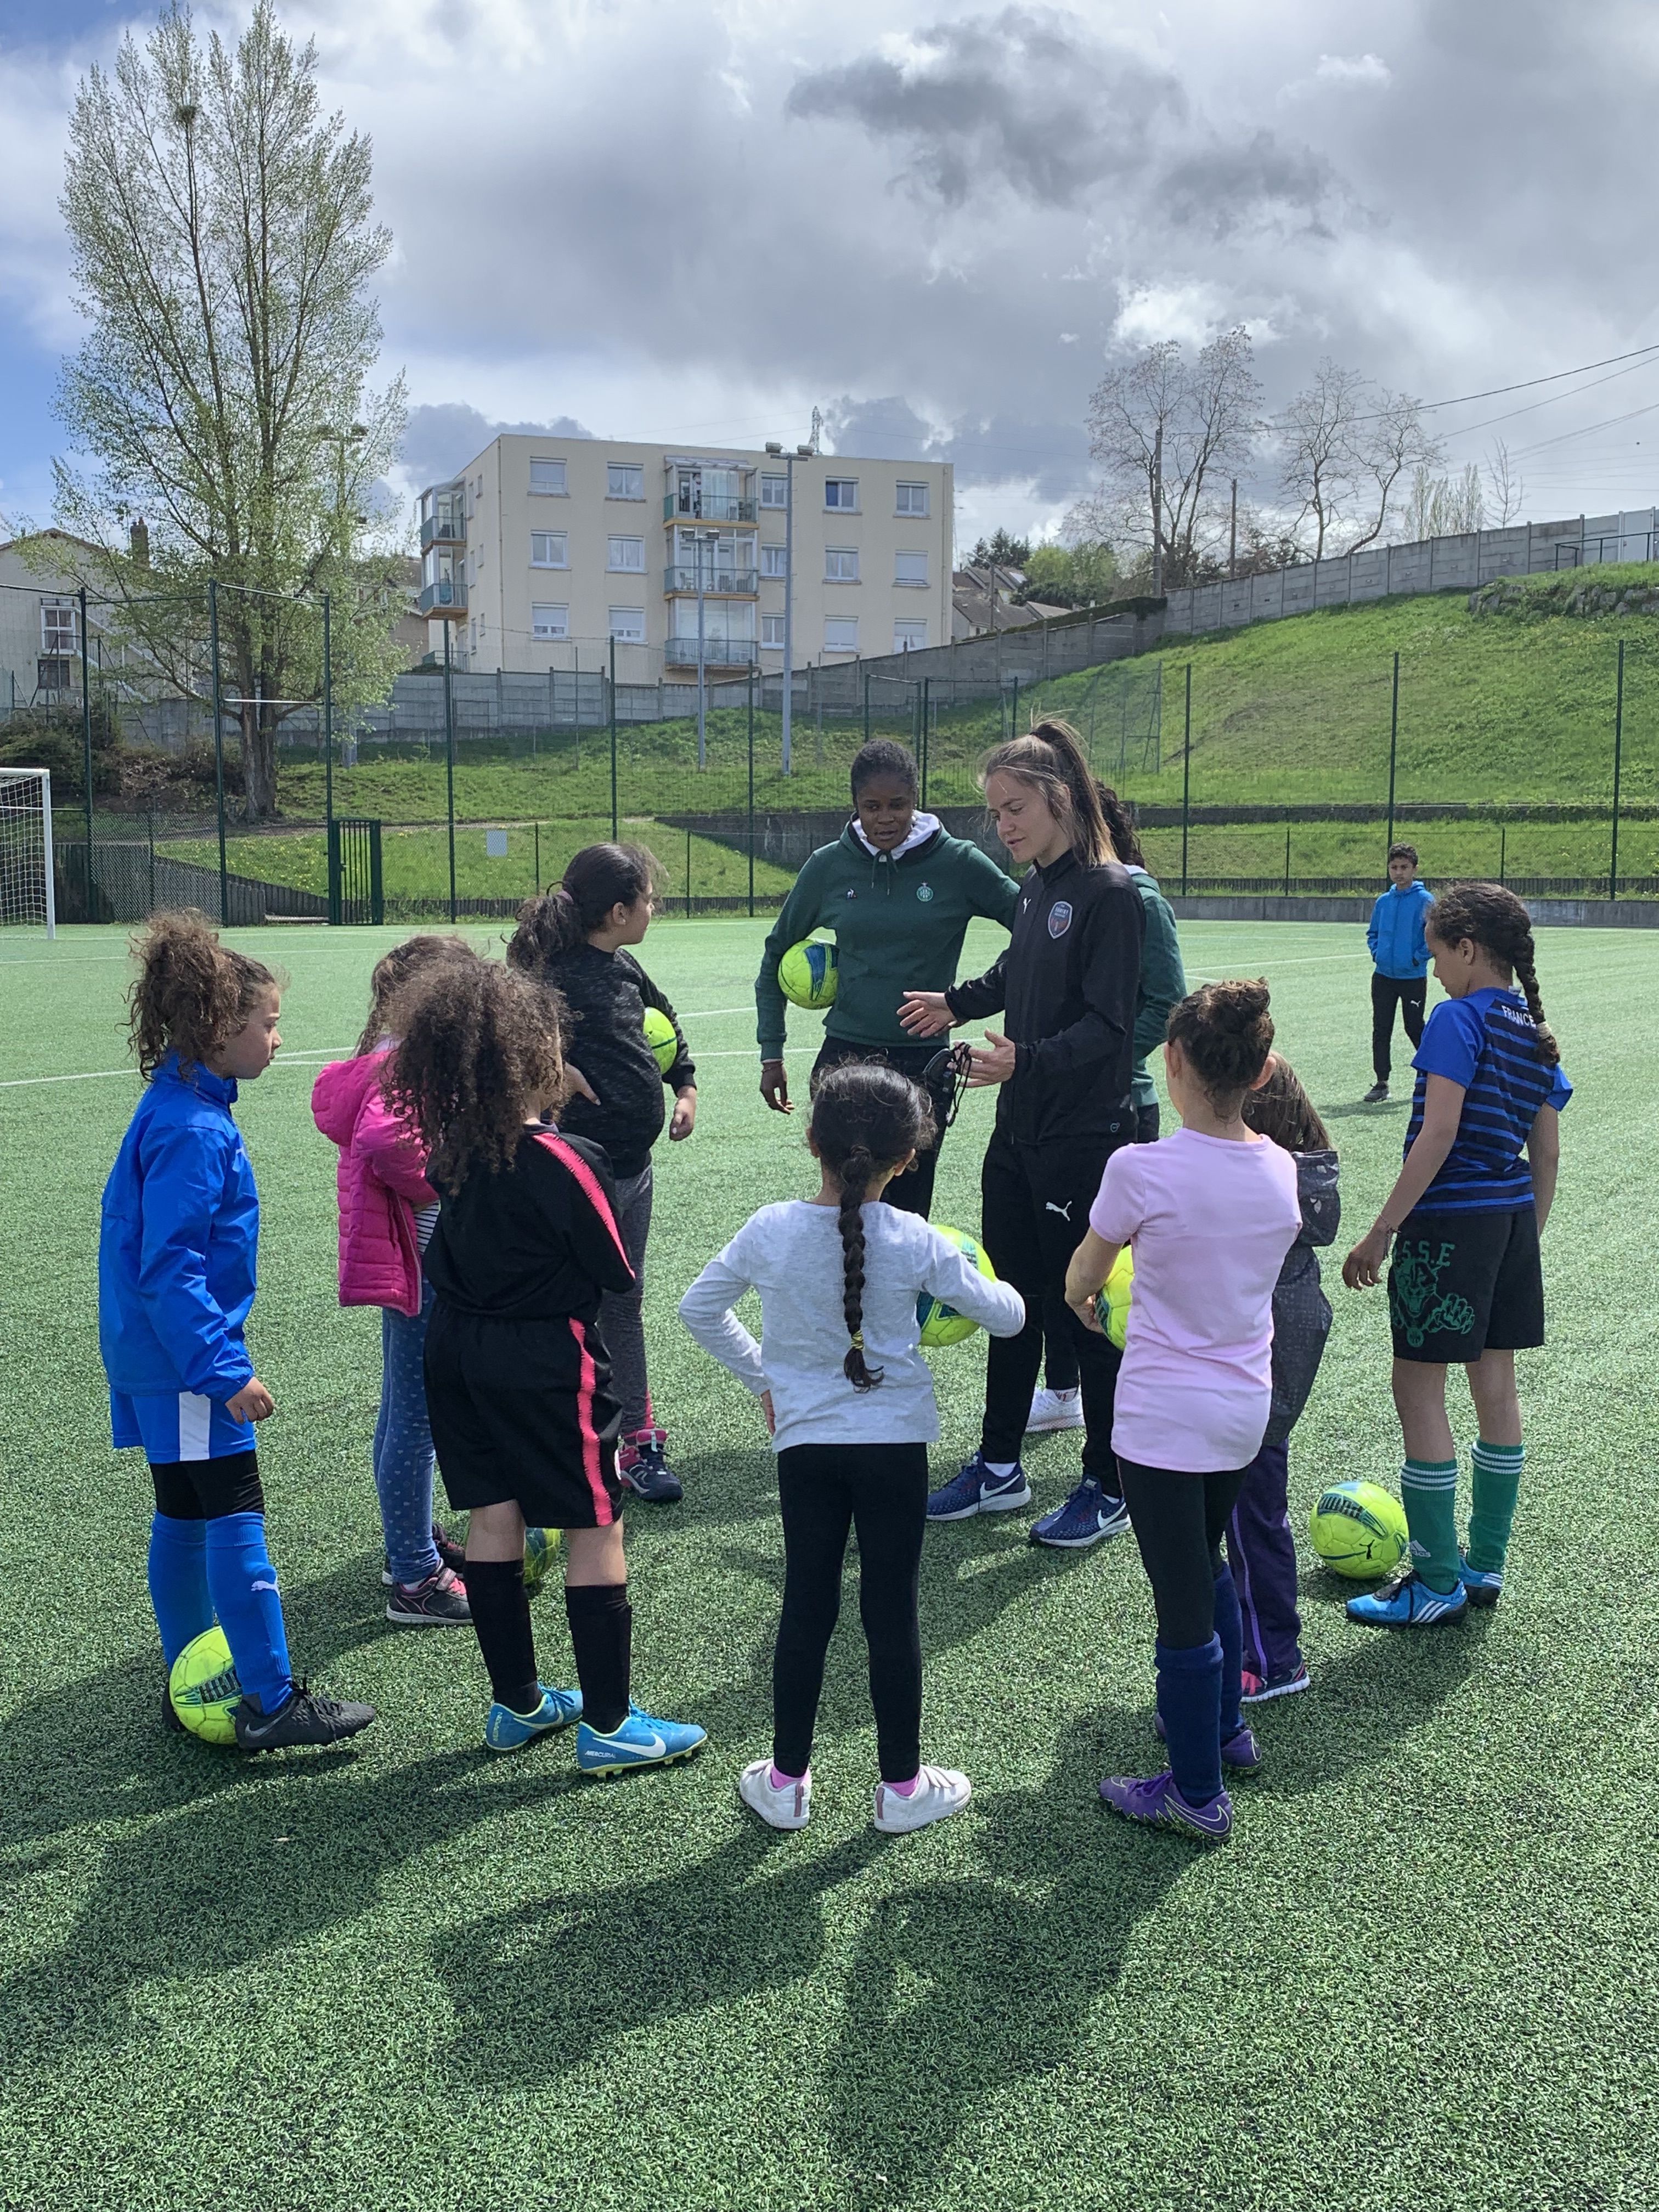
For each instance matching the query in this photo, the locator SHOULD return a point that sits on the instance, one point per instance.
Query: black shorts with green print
(1464, 1283)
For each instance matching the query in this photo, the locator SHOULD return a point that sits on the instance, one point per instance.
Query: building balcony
(717, 652)
(444, 600)
(706, 507)
(443, 528)
(726, 583)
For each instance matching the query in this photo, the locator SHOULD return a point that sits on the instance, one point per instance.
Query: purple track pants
(1262, 1553)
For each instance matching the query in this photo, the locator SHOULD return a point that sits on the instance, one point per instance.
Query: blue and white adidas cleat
(976, 1490)
(1088, 1516)
(1484, 1585)
(505, 1730)
(1409, 1604)
(641, 1741)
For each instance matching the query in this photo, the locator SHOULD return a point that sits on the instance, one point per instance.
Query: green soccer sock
(1497, 1482)
(1428, 1489)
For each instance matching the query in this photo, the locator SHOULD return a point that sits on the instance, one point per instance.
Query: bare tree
(223, 240)
(1322, 432)
(1393, 442)
(1444, 507)
(1164, 431)
(1504, 482)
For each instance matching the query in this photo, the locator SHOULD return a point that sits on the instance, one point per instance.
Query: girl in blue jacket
(176, 1252)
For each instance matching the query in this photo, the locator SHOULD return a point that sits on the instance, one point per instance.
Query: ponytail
(599, 878)
(1121, 827)
(866, 1118)
(1052, 759)
(191, 995)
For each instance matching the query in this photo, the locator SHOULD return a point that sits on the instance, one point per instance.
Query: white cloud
(1370, 69)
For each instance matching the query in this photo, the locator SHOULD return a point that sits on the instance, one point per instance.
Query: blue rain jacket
(1395, 934)
(177, 1242)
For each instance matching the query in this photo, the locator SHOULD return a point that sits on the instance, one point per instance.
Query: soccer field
(405, 1975)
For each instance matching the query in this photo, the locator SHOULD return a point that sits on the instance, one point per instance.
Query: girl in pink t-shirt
(1210, 1213)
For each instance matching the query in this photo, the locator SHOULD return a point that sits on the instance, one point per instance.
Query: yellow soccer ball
(203, 1688)
(941, 1324)
(1112, 1302)
(807, 974)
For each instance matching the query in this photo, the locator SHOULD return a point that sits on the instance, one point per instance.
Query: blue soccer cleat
(1409, 1604)
(1089, 1516)
(641, 1741)
(505, 1730)
(976, 1490)
(1484, 1585)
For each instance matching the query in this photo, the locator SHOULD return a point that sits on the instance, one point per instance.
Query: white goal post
(27, 891)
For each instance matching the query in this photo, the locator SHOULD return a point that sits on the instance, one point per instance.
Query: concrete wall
(1587, 913)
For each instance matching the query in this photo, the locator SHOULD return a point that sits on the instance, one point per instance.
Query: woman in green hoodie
(899, 892)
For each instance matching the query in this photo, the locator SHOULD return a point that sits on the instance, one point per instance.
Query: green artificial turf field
(1425, 1971)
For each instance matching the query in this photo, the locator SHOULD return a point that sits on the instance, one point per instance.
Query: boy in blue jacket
(176, 1254)
(1401, 954)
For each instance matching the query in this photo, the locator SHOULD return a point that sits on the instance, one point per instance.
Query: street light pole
(703, 682)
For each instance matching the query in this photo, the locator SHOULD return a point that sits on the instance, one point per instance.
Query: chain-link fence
(1533, 758)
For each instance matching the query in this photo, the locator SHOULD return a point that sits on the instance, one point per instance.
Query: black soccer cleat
(305, 1719)
(1375, 1094)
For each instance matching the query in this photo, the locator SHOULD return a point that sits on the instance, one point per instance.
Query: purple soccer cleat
(1241, 1751)
(1157, 1803)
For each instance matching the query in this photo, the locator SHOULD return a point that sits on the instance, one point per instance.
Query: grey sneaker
(437, 1602)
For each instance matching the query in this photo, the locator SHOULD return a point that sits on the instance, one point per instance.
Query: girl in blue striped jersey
(1466, 1286)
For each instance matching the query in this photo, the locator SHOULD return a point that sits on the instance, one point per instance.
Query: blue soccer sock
(1189, 1698)
(178, 1582)
(1230, 1628)
(243, 1583)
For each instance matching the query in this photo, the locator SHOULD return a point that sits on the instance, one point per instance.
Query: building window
(549, 621)
(628, 625)
(841, 564)
(58, 626)
(772, 561)
(548, 476)
(841, 492)
(549, 548)
(624, 480)
(627, 553)
(909, 636)
(910, 568)
(774, 491)
(52, 675)
(772, 630)
(840, 634)
(912, 499)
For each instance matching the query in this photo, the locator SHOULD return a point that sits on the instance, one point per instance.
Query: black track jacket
(606, 995)
(1066, 986)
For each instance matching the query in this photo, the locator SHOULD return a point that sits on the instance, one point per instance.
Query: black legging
(1059, 1345)
(1179, 1520)
(912, 1193)
(824, 1489)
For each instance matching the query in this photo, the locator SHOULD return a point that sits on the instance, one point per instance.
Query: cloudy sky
(699, 219)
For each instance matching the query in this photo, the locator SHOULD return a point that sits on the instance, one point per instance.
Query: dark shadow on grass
(749, 1918)
(1383, 1110)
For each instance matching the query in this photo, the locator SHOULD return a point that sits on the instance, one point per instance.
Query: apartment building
(544, 550)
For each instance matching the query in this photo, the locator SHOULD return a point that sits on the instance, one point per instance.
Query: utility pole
(1157, 513)
(1233, 535)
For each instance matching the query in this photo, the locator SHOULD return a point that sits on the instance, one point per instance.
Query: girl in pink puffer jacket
(387, 1213)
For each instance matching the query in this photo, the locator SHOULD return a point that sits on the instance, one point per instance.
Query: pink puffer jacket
(381, 1182)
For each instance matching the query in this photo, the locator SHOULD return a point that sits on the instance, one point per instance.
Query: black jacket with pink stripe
(537, 1242)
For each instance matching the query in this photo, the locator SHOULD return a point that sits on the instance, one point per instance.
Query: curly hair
(598, 878)
(1226, 1033)
(1282, 1110)
(1494, 918)
(866, 1118)
(884, 756)
(191, 995)
(395, 971)
(1052, 759)
(480, 1055)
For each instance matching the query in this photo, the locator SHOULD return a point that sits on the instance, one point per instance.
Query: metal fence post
(328, 717)
(1618, 763)
(867, 707)
(449, 765)
(927, 726)
(1287, 856)
(613, 741)
(218, 751)
(688, 872)
(86, 741)
(1394, 741)
(751, 791)
(1186, 776)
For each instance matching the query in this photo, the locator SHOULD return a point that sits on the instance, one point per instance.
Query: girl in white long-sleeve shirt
(851, 1423)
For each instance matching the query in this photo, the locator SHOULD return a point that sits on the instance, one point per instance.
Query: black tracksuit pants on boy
(1411, 994)
(825, 1490)
(1034, 1210)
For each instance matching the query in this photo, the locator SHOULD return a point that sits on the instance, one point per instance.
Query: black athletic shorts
(207, 1489)
(523, 1411)
(1464, 1283)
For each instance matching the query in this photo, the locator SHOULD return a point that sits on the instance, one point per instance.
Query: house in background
(984, 599)
(40, 621)
(544, 552)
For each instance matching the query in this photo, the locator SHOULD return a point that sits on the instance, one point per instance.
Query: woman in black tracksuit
(1067, 985)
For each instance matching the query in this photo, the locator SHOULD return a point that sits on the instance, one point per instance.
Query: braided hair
(1492, 918)
(866, 1118)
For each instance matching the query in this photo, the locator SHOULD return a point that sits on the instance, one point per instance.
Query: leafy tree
(1083, 575)
(222, 240)
(1001, 548)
